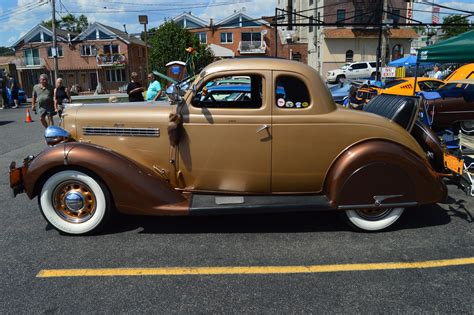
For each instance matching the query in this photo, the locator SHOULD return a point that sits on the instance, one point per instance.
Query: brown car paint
(382, 168)
(135, 189)
(309, 151)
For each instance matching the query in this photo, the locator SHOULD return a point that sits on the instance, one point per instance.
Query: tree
(169, 43)
(70, 23)
(6, 51)
(449, 30)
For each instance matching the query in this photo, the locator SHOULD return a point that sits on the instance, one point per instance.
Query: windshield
(344, 67)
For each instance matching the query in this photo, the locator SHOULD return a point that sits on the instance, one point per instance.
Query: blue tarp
(403, 62)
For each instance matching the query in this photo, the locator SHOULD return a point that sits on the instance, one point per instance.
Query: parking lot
(293, 262)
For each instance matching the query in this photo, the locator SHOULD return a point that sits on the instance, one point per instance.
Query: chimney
(125, 28)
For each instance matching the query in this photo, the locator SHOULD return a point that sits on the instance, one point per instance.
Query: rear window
(291, 92)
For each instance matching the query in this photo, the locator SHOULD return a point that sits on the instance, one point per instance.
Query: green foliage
(169, 43)
(69, 22)
(450, 31)
(6, 51)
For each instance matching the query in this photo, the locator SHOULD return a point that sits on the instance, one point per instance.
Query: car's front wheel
(74, 202)
(373, 219)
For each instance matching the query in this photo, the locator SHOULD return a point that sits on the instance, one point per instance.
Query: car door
(227, 140)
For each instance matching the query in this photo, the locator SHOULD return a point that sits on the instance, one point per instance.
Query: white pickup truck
(355, 70)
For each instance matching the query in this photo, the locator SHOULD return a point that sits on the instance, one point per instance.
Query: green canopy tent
(457, 49)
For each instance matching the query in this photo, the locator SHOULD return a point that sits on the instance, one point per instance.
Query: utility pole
(54, 49)
(143, 19)
(382, 43)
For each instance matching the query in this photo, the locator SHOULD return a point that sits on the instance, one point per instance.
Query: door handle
(264, 127)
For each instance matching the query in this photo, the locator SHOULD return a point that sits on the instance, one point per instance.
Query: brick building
(100, 54)
(240, 35)
(330, 47)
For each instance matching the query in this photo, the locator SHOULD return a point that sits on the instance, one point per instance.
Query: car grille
(123, 132)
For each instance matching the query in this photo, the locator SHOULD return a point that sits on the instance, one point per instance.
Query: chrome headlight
(54, 135)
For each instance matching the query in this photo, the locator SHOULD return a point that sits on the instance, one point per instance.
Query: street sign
(389, 72)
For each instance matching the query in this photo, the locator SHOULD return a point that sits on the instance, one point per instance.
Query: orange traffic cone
(28, 117)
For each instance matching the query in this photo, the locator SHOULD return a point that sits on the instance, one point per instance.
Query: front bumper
(17, 176)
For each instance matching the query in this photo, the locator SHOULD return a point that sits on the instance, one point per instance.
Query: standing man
(13, 84)
(437, 72)
(3, 92)
(43, 95)
(135, 89)
(154, 89)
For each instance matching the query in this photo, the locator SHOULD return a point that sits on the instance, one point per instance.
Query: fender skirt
(380, 173)
(135, 189)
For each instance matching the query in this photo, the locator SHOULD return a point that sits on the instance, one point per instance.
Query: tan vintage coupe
(282, 145)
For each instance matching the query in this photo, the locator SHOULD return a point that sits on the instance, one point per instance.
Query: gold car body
(350, 157)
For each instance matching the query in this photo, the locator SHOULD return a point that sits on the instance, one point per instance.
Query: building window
(395, 16)
(310, 28)
(397, 52)
(349, 56)
(226, 38)
(88, 50)
(311, 2)
(60, 51)
(116, 75)
(140, 52)
(341, 16)
(31, 57)
(319, 18)
(111, 49)
(202, 37)
(358, 16)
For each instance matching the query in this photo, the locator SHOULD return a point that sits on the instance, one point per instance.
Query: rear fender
(135, 189)
(379, 173)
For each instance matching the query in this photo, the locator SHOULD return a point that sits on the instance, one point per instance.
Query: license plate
(453, 163)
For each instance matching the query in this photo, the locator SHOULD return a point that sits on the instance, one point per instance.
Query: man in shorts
(43, 96)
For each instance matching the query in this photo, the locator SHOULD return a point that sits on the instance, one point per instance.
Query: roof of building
(62, 35)
(110, 31)
(6, 59)
(370, 33)
(194, 19)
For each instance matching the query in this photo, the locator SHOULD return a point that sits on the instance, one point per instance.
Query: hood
(116, 115)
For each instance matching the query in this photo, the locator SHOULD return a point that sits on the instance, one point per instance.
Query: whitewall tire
(74, 202)
(373, 219)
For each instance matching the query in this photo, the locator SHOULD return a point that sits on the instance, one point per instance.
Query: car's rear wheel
(74, 202)
(467, 127)
(374, 219)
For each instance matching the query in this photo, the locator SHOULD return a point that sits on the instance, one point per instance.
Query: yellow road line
(260, 270)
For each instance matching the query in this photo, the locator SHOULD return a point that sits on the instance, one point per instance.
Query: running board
(219, 204)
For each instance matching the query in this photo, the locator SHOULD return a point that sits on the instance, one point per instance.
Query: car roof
(260, 64)
(465, 81)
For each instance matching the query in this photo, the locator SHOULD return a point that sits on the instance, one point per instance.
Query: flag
(435, 15)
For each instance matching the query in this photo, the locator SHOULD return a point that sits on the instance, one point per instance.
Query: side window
(230, 92)
(357, 66)
(373, 64)
(291, 93)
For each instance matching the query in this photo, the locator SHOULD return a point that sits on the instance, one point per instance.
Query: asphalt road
(28, 245)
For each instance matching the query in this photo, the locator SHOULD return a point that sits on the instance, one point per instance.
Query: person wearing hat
(437, 72)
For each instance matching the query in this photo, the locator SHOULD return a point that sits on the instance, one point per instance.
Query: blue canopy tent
(403, 62)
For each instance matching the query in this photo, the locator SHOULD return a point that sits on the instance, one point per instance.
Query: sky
(17, 17)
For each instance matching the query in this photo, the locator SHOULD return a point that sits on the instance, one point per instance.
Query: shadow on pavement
(297, 222)
(5, 122)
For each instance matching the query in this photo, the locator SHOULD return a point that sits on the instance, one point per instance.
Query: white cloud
(255, 9)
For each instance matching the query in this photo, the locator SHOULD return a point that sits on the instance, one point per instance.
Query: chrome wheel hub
(74, 201)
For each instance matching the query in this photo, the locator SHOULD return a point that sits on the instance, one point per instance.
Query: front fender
(135, 189)
(380, 172)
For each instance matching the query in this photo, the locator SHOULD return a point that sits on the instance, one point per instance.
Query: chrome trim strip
(385, 205)
(123, 132)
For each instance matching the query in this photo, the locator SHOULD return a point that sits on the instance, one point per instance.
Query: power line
(21, 11)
